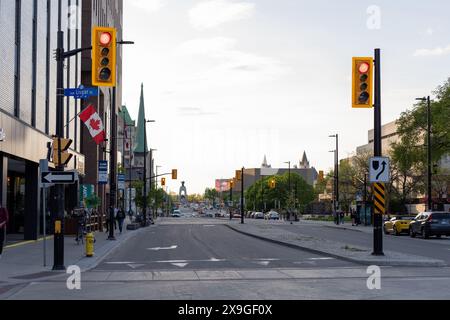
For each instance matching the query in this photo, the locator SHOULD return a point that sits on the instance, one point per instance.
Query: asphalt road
(432, 248)
(203, 245)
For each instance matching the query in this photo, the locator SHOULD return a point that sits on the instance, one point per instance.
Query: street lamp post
(290, 188)
(336, 176)
(429, 154)
(145, 170)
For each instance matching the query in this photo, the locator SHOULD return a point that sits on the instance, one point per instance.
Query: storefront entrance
(16, 187)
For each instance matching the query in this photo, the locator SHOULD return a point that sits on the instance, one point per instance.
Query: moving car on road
(259, 216)
(398, 225)
(176, 214)
(430, 224)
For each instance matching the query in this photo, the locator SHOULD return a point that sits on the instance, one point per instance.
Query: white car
(176, 214)
(259, 215)
(272, 215)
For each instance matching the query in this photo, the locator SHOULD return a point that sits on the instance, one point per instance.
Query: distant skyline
(231, 81)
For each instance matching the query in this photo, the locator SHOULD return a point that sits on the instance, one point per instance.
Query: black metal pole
(123, 166)
(242, 196)
(378, 218)
(112, 166)
(144, 223)
(429, 175)
(131, 169)
(337, 172)
(365, 199)
(58, 264)
(231, 202)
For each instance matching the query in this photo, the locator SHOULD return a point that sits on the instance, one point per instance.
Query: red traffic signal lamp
(362, 82)
(104, 56)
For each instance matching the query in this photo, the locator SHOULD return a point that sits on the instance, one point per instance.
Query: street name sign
(103, 172)
(57, 177)
(81, 92)
(379, 168)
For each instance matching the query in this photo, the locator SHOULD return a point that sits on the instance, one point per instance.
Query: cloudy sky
(229, 81)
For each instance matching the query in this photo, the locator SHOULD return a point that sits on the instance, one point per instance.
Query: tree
(409, 155)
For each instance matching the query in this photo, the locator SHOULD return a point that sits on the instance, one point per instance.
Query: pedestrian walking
(121, 218)
(342, 216)
(353, 217)
(4, 218)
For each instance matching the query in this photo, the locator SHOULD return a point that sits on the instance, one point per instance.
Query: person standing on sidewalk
(120, 219)
(4, 218)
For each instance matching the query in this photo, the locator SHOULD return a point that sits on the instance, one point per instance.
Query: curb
(396, 263)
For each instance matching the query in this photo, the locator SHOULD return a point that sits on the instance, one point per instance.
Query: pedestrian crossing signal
(362, 82)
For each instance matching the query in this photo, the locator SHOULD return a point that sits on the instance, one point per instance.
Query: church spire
(304, 164)
(265, 164)
(141, 145)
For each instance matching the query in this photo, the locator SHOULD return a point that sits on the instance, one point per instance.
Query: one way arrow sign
(69, 177)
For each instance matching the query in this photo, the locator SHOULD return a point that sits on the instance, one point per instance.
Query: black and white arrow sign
(379, 170)
(59, 177)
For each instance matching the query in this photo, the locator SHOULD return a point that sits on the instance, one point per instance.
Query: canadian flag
(94, 123)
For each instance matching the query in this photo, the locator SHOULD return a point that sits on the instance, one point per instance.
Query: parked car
(272, 215)
(259, 216)
(429, 224)
(398, 225)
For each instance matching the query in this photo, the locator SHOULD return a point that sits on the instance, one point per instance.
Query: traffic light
(272, 184)
(174, 174)
(231, 184)
(65, 155)
(238, 175)
(104, 54)
(321, 176)
(163, 182)
(362, 82)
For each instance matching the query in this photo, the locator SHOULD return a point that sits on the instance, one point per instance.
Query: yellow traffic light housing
(163, 182)
(174, 174)
(362, 82)
(273, 184)
(104, 56)
(65, 155)
(238, 175)
(321, 176)
(231, 184)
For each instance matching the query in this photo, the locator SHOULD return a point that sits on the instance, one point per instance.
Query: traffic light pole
(112, 166)
(378, 218)
(429, 174)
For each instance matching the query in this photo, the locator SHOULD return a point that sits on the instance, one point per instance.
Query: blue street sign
(121, 182)
(103, 172)
(81, 92)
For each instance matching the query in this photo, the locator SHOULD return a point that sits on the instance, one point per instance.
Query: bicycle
(81, 229)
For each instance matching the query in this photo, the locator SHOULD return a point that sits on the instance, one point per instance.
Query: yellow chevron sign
(379, 198)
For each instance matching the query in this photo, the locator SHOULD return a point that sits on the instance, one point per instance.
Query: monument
(183, 193)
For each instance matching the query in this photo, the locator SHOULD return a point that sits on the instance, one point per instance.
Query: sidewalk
(25, 261)
(338, 250)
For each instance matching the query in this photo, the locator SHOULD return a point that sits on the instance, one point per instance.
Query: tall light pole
(429, 155)
(334, 183)
(336, 171)
(145, 170)
(290, 187)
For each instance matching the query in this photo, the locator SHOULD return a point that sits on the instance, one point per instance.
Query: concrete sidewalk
(339, 250)
(22, 262)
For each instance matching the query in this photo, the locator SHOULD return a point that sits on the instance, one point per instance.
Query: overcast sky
(229, 81)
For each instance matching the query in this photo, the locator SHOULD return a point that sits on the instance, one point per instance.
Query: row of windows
(28, 31)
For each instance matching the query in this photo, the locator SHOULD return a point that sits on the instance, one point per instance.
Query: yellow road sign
(379, 198)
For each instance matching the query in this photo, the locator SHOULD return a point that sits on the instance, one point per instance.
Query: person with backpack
(121, 218)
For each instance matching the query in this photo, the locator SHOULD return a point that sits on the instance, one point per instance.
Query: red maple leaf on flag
(95, 124)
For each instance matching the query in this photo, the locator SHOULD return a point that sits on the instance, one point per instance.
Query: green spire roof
(125, 115)
(141, 145)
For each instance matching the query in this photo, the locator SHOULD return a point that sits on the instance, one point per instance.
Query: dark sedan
(429, 224)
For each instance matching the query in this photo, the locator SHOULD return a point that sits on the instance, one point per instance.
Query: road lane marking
(263, 263)
(136, 266)
(120, 263)
(180, 265)
(172, 261)
(267, 259)
(321, 259)
(162, 248)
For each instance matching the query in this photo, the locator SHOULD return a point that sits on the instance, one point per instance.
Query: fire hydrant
(90, 240)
